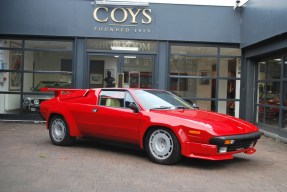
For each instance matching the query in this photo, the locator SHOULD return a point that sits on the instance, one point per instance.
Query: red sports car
(161, 123)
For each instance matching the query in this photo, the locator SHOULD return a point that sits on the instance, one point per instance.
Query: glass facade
(121, 63)
(271, 92)
(207, 76)
(121, 45)
(130, 71)
(26, 66)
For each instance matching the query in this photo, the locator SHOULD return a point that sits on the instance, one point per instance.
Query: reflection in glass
(192, 87)
(11, 43)
(10, 81)
(229, 108)
(230, 67)
(260, 114)
(270, 99)
(268, 116)
(103, 71)
(122, 45)
(274, 68)
(10, 103)
(15, 64)
(262, 71)
(230, 51)
(48, 61)
(33, 82)
(284, 102)
(193, 50)
(194, 73)
(138, 71)
(203, 105)
(270, 92)
(31, 102)
(60, 45)
(229, 89)
(193, 66)
(284, 119)
(272, 116)
(261, 91)
(43, 68)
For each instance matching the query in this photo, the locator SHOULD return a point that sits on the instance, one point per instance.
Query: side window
(112, 98)
(128, 99)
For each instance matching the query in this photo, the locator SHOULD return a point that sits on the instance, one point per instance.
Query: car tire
(59, 131)
(162, 146)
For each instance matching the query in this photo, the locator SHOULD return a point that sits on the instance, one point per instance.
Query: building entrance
(121, 70)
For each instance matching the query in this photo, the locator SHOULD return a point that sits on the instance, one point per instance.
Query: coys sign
(125, 14)
(122, 18)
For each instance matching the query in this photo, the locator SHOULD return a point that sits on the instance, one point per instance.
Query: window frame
(217, 77)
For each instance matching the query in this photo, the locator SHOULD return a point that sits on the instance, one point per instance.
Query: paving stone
(30, 162)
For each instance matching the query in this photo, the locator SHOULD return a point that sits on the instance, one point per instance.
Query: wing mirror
(134, 107)
(195, 106)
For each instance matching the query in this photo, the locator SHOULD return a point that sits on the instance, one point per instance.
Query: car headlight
(27, 101)
(222, 149)
(36, 102)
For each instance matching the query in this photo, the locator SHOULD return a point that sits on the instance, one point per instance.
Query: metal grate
(241, 144)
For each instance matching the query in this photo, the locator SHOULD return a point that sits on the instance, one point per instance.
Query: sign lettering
(127, 15)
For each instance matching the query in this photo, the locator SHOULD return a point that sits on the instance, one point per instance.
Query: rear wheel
(59, 131)
(162, 146)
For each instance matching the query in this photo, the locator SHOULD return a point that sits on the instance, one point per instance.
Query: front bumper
(243, 144)
(31, 108)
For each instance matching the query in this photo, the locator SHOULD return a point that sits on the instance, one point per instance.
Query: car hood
(212, 122)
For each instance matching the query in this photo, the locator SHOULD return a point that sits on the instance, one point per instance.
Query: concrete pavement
(30, 162)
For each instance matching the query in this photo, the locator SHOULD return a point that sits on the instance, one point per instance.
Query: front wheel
(59, 131)
(162, 146)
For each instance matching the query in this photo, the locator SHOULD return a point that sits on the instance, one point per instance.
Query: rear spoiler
(59, 91)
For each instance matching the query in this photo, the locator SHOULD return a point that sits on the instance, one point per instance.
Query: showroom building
(225, 59)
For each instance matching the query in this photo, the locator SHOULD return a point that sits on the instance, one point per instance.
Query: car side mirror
(134, 107)
(195, 106)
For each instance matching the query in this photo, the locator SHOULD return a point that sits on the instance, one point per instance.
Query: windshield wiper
(161, 107)
(180, 107)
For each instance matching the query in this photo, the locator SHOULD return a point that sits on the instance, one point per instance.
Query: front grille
(243, 141)
(241, 144)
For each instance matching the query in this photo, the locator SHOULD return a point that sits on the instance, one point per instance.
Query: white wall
(222, 86)
(204, 90)
(48, 61)
(7, 101)
(28, 77)
(237, 91)
(3, 84)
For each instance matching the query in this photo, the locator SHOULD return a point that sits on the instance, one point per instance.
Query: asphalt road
(30, 162)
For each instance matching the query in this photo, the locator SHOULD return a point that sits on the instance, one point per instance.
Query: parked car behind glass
(32, 102)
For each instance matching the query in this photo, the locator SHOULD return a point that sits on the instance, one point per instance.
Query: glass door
(121, 70)
(138, 71)
(103, 70)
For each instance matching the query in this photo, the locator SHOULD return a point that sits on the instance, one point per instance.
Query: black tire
(59, 131)
(162, 146)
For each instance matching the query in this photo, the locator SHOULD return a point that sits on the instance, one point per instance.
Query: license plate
(33, 109)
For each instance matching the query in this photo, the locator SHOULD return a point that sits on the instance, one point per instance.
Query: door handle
(95, 110)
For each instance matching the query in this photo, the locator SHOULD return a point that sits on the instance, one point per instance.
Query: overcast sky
(196, 2)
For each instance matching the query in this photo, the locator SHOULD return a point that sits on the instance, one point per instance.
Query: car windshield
(155, 99)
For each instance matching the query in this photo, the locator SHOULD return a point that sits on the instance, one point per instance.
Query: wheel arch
(178, 133)
(74, 131)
